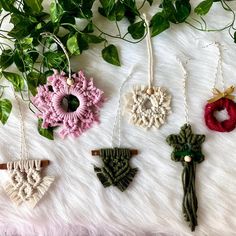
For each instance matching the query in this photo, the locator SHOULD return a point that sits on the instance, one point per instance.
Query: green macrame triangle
(187, 150)
(116, 170)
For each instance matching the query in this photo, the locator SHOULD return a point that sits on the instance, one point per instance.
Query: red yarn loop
(219, 105)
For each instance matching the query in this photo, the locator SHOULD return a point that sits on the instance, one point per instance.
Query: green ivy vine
(35, 56)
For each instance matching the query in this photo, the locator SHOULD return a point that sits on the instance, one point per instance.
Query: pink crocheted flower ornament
(72, 106)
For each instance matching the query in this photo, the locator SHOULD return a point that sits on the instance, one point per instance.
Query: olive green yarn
(116, 170)
(186, 143)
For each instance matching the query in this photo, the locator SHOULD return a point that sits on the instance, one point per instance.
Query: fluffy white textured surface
(77, 204)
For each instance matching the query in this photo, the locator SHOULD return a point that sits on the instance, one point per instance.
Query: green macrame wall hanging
(116, 169)
(187, 150)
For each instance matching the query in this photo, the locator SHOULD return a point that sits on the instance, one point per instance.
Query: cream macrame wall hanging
(26, 185)
(148, 106)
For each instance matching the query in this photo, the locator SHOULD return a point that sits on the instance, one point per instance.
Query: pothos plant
(35, 56)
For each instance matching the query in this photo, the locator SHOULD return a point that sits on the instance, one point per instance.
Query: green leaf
(89, 28)
(107, 5)
(53, 59)
(25, 60)
(90, 38)
(110, 55)
(5, 110)
(183, 10)
(34, 79)
(203, 7)
(158, 24)
(16, 80)
(34, 5)
(6, 59)
(8, 5)
(72, 44)
(137, 30)
(47, 133)
(22, 26)
(56, 12)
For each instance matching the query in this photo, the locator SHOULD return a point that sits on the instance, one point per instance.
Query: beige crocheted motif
(27, 184)
(148, 107)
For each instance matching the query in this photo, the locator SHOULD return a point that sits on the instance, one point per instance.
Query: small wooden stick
(44, 163)
(97, 152)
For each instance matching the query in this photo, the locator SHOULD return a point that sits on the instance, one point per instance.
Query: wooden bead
(70, 81)
(150, 91)
(187, 159)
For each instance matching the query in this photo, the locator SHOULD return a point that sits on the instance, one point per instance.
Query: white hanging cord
(185, 76)
(219, 71)
(118, 115)
(24, 154)
(57, 40)
(150, 53)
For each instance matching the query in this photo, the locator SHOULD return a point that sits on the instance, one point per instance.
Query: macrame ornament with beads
(69, 102)
(220, 101)
(27, 184)
(148, 106)
(187, 150)
(116, 170)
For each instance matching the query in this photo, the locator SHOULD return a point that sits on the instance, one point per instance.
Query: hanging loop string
(185, 76)
(57, 40)
(150, 53)
(117, 123)
(24, 154)
(219, 71)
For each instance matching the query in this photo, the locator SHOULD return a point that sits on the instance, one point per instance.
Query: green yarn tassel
(190, 203)
(116, 170)
(187, 150)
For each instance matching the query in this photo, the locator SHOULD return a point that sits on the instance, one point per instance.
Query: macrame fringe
(116, 170)
(26, 184)
(190, 203)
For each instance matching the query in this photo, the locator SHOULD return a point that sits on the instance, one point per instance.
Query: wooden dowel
(44, 163)
(97, 152)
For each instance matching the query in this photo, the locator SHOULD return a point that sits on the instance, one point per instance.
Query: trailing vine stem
(229, 26)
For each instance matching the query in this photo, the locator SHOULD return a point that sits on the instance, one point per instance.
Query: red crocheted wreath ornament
(219, 105)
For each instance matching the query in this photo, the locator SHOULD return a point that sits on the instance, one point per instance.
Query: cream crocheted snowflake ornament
(148, 107)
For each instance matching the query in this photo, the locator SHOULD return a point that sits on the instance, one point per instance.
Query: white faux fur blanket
(78, 205)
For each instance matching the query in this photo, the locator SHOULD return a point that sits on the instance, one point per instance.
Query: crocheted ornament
(116, 170)
(27, 184)
(187, 150)
(221, 101)
(148, 107)
(73, 105)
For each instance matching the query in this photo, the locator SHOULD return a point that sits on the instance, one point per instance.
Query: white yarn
(219, 72)
(148, 110)
(150, 53)
(26, 184)
(185, 76)
(118, 115)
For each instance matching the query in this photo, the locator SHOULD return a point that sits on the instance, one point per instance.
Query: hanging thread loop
(184, 81)
(23, 147)
(117, 123)
(150, 53)
(70, 81)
